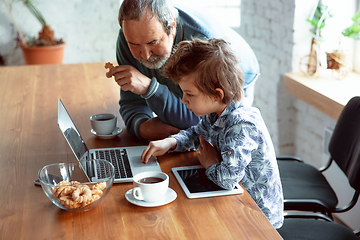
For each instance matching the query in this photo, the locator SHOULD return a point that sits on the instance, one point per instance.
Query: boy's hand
(208, 153)
(157, 148)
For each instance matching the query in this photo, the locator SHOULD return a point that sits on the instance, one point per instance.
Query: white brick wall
(264, 27)
(89, 28)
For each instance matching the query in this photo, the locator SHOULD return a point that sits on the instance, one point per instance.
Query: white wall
(89, 28)
(268, 27)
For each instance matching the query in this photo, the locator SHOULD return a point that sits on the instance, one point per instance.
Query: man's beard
(154, 62)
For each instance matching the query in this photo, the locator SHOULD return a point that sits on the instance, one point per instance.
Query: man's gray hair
(163, 10)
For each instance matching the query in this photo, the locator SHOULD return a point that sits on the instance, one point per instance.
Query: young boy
(232, 139)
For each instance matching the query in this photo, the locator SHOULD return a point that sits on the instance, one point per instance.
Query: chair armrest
(310, 215)
(307, 215)
(289, 158)
(351, 204)
(306, 205)
(325, 167)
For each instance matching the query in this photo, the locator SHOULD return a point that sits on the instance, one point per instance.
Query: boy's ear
(220, 94)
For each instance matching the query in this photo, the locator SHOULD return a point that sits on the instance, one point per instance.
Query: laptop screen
(70, 132)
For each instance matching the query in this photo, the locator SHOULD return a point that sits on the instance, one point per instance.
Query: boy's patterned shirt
(248, 155)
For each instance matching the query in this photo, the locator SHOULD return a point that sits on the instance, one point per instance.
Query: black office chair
(305, 188)
(314, 227)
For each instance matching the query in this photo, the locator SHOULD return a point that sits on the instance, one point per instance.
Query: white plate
(168, 198)
(114, 133)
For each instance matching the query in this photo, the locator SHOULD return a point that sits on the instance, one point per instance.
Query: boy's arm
(188, 139)
(157, 148)
(236, 155)
(208, 154)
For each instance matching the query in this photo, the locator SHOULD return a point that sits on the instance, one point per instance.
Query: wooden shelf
(324, 92)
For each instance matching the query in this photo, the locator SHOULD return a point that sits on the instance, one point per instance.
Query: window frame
(356, 59)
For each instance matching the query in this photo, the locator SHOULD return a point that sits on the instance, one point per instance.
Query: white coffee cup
(150, 186)
(104, 123)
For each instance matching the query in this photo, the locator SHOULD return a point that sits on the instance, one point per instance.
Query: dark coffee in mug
(151, 180)
(103, 119)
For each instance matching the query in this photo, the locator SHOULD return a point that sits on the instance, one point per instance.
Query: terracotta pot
(44, 54)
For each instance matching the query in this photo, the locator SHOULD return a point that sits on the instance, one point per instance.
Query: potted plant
(338, 60)
(317, 20)
(44, 49)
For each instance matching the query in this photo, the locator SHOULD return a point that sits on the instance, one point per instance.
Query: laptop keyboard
(119, 159)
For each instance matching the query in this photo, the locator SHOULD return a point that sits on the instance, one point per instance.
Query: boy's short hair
(213, 65)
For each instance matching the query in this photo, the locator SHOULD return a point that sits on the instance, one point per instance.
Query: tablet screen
(196, 184)
(196, 180)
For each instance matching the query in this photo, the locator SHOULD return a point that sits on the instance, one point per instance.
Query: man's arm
(168, 106)
(136, 109)
(155, 129)
(139, 119)
(133, 108)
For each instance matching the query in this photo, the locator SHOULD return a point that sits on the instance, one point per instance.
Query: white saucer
(114, 133)
(168, 198)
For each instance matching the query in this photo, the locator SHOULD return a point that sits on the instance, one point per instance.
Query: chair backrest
(344, 145)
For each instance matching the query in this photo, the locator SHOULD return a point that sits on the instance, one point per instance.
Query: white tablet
(196, 184)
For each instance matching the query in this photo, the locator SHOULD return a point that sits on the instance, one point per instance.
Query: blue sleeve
(189, 139)
(162, 99)
(133, 108)
(134, 111)
(168, 106)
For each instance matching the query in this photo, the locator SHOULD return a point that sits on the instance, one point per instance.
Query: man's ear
(173, 29)
(220, 94)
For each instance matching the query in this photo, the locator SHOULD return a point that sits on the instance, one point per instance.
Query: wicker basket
(336, 60)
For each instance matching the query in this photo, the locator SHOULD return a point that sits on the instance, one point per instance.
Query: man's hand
(157, 148)
(130, 79)
(155, 129)
(208, 154)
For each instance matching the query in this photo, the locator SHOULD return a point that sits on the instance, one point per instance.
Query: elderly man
(150, 104)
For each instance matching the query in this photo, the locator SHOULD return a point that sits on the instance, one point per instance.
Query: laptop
(126, 160)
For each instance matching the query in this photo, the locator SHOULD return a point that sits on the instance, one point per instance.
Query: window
(342, 12)
(357, 48)
(227, 11)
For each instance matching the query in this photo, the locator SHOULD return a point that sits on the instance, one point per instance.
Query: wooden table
(30, 139)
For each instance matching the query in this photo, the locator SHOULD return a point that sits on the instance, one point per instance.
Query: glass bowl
(71, 189)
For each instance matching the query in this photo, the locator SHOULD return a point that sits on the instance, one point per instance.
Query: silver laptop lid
(81, 151)
(70, 132)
